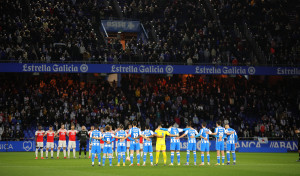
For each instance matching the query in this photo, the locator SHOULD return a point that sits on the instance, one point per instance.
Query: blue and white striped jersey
(191, 132)
(97, 134)
(108, 137)
(203, 134)
(231, 139)
(121, 133)
(148, 133)
(174, 131)
(220, 133)
(134, 132)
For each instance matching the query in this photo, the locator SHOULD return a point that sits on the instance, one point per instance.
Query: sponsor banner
(25, 146)
(121, 26)
(148, 69)
(270, 146)
(242, 146)
(246, 146)
(263, 150)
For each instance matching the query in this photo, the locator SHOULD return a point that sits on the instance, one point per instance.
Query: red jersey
(141, 140)
(62, 134)
(129, 136)
(101, 142)
(90, 132)
(50, 136)
(72, 135)
(39, 135)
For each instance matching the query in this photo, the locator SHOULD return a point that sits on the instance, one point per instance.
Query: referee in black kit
(83, 137)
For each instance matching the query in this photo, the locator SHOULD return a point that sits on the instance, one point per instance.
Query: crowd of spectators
(50, 30)
(254, 108)
(185, 32)
(275, 26)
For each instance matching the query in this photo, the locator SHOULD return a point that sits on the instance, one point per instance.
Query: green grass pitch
(252, 164)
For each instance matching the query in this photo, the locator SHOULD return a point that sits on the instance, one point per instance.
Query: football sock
(151, 157)
(172, 157)
(99, 158)
(178, 157)
(145, 156)
(131, 158)
(138, 156)
(124, 158)
(93, 157)
(233, 156)
(110, 159)
(157, 157)
(165, 157)
(103, 159)
(119, 157)
(223, 158)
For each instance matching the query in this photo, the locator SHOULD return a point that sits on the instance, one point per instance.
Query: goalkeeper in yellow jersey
(161, 143)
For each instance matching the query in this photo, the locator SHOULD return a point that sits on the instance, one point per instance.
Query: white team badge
(27, 145)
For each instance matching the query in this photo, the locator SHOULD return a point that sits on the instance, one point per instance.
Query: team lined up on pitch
(101, 141)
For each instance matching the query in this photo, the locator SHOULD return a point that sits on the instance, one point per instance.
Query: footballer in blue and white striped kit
(147, 134)
(121, 146)
(175, 143)
(135, 133)
(108, 138)
(204, 135)
(96, 135)
(191, 133)
(220, 135)
(231, 142)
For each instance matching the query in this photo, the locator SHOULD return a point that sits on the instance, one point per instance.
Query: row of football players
(62, 142)
(134, 144)
(135, 133)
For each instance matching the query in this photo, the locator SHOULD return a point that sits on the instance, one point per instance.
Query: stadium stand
(179, 32)
(252, 107)
(273, 24)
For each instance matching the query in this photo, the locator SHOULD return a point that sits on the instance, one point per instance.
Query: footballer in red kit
(50, 141)
(72, 141)
(62, 132)
(39, 138)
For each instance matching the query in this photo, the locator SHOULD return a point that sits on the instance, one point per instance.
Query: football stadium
(149, 87)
